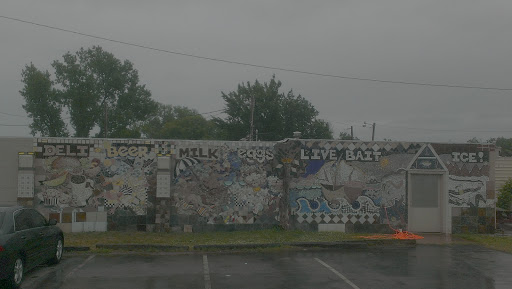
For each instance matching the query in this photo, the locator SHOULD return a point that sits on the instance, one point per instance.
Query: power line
(222, 110)
(342, 123)
(444, 130)
(1, 124)
(212, 116)
(252, 64)
(419, 128)
(27, 116)
(10, 114)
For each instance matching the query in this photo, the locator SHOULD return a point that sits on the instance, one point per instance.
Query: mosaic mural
(468, 191)
(226, 183)
(351, 182)
(366, 182)
(163, 185)
(469, 174)
(94, 175)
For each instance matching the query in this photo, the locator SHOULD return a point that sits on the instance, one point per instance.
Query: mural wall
(363, 185)
(359, 184)
(225, 183)
(471, 185)
(76, 178)
(158, 185)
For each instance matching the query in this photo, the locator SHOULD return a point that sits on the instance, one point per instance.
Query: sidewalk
(436, 239)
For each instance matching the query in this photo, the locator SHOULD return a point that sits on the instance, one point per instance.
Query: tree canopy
(505, 196)
(97, 90)
(346, 136)
(99, 93)
(178, 122)
(504, 143)
(276, 115)
(42, 103)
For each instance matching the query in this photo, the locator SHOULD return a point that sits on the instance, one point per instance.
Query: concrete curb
(344, 245)
(237, 246)
(138, 247)
(357, 244)
(390, 242)
(76, 248)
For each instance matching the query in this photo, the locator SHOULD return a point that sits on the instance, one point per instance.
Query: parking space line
(206, 270)
(79, 266)
(337, 273)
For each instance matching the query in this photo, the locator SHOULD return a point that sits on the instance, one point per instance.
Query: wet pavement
(422, 266)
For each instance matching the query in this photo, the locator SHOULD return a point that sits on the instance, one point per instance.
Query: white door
(424, 203)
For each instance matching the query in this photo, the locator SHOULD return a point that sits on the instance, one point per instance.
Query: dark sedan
(27, 239)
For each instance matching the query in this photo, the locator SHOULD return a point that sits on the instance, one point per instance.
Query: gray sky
(454, 42)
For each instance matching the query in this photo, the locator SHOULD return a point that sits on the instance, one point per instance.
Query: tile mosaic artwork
(226, 184)
(211, 183)
(337, 178)
(93, 175)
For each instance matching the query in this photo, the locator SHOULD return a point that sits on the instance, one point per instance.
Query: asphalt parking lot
(422, 266)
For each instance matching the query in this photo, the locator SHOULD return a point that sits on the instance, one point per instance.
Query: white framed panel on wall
(164, 163)
(26, 161)
(163, 185)
(25, 184)
(25, 175)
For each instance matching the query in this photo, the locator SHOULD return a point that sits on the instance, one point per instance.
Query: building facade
(170, 185)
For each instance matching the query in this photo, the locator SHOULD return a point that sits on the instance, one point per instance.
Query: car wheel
(16, 275)
(57, 256)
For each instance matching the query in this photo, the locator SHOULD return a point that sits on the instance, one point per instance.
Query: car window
(2, 217)
(22, 220)
(37, 219)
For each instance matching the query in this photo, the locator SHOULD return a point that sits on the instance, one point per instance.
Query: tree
(505, 196)
(317, 129)
(101, 90)
(42, 103)
(505, 144)
(345, 136)
(178, 122)
(474, 140)
(276, 115)
(98, 90)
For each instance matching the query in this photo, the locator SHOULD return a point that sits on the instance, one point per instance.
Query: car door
(28, 237)
(46, 234)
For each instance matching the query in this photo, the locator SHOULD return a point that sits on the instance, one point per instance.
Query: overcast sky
(452, 42)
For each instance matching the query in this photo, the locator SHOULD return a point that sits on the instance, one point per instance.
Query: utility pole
(373, 129)
(106, 119)
(252, 118)
(373, 132)
(352, 132)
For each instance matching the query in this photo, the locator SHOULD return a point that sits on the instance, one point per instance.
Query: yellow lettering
(142, 151)
(112, 152)
(133, 151)
(123, 151)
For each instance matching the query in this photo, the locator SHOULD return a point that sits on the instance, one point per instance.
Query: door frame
(444, 207)
(439, 169)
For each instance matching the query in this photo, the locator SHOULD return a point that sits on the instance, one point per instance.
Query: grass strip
(496, 242)
(270, 236)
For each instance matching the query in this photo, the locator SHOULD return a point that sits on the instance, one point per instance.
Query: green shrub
(505, 197)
